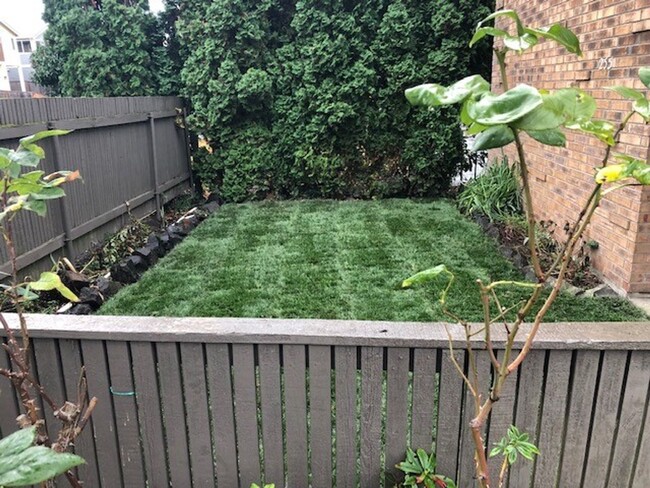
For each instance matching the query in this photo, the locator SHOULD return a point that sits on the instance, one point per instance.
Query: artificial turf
(335, 259)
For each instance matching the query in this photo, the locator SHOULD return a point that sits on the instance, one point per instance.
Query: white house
(15, 59)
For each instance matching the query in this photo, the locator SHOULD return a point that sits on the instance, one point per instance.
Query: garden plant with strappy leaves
(498, 120)
(420, 470)
(26, 188)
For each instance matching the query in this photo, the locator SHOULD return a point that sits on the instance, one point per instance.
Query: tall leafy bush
(304, 99)
(103, 48)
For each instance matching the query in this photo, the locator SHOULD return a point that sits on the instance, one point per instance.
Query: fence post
(154, 164)
(188, 147)
(65, 216)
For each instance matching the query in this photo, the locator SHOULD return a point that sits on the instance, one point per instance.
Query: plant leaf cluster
(420, 470)
(513, 444)
(23, 187)
(22, 463)
(303, 99)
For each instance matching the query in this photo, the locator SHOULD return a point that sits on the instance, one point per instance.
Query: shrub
(495, 193)
(304, 99)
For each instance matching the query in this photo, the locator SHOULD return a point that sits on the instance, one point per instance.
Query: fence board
(246, 414)
(642, 471)
(346, 415)
(169, 371)
(552, 422)
(106, 443)
(451, 401)
(150, 413)
(51, 379)
(271, 405)
(195, 388)
(466, 468)
(320, 408)
(424, 390)
(295, 397)
(503, 414)
(71, 365)
(396, 407)
(630, 423)
(371, 415)
(8, 405)
(531, 380)
(223, 416)
(126, 417)
(579, 417)
(603, 433)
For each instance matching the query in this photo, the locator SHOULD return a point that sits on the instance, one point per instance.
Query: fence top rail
(564, 335)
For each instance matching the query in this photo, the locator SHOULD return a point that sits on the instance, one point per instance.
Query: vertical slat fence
(229, 402)
(131, 153)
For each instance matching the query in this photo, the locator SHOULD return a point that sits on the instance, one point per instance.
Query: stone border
(130, 269)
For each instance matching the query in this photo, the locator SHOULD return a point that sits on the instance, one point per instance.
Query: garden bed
(335, 259)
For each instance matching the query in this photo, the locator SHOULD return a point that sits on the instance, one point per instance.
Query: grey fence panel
(118, 155)
(295, 398)
(320, 408)
(424, 398)
(245, 401)
(206, 398)
(630, 425)
(271, 405)
(397, 402)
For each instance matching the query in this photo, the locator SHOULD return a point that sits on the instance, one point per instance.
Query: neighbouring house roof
(9, 28)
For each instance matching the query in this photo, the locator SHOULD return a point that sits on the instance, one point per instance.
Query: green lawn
(333, 259)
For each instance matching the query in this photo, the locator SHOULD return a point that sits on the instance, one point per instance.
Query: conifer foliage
(306, 99)
(102, 48)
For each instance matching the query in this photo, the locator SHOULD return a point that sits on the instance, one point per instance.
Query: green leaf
(629, 93)
(51, 281)
(5, 157)
(576, 105)
(601, 129)
(506, 13)
(25, 158)
(42, 135)
(432, 95)
(495, 451)
(550, 137)
(48, 193)
(35, 465)
(36, 206)
(424, 276)
(24, 187)
(520, 43)
(424, 458)
(493, 109)
(33, 176)
(644, 76)
(548, 115)
(493, 137)
(37, 150)
(481, 32)
(561, 35)
(512, 457)
(642, 107)
(17, 442)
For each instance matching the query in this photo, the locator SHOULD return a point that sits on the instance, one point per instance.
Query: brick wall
(615, 39)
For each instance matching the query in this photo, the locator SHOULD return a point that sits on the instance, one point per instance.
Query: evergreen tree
(103, 48)
(306, 99)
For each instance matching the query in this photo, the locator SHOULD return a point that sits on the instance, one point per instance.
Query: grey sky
(25, 15)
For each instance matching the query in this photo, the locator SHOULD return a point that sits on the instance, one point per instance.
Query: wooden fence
(132, 155)
(227, 402)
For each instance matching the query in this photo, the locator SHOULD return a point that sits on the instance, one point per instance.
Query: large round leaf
(505, 108)
(431, 95)
(493, 137)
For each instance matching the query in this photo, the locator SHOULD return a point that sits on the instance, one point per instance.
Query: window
(23, 45)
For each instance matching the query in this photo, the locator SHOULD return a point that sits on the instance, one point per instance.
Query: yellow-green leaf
(424, 276)
(611, 173)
